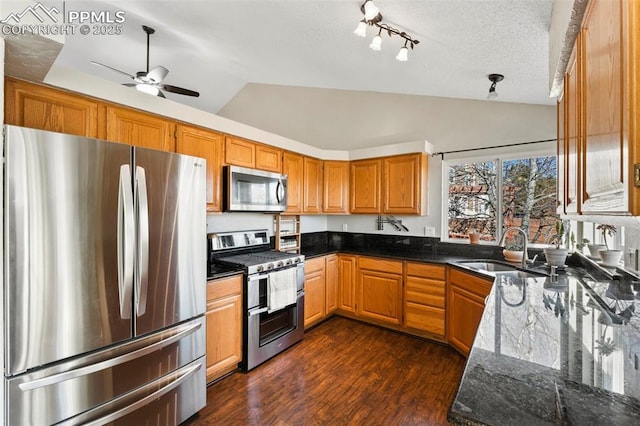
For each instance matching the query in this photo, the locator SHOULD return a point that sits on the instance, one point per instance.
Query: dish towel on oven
(282, 289)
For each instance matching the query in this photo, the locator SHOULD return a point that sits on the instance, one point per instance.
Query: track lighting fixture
(403, 54)
(373, 17)
(376, 43)
(494, 79)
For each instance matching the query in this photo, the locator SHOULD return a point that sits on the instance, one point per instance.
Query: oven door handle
(251, 278)
(257, 311)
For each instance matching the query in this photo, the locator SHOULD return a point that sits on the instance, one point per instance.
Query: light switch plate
(636, 174)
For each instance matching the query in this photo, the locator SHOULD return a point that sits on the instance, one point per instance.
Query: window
(485, 196)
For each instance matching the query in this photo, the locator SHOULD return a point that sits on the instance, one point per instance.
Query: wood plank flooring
(343, 373)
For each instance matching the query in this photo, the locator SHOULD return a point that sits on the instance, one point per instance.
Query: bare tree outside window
(528, 197)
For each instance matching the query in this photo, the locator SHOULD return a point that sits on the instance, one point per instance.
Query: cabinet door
(38, 107)
(574, 138)
(292, 166)
(224, 326)
(239, 152)
(465, 305)
(208, 145)
(402, 184)
(380, 296)
(347, 266)
(464, 311)
(336, 187)
(268, 158)
(314, 291)
(561, 189)
(331, 287)
(365, 186)
(139, 129)
(604, 145)
(312, 191)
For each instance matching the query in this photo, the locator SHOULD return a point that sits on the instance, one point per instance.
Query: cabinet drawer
(471, 283)
(425, 318)
(224, 287)
(314, 265)
(382, 265)
(425, 291)
(426, 270)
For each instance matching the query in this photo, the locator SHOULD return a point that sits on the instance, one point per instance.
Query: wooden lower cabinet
(224, 326)
(347, 269)
(424, 298)
(379, 290)
(320, 288)
(466, 295)
(331, 290)
(314, 291)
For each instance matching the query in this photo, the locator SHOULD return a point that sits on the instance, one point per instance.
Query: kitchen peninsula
(547, 349)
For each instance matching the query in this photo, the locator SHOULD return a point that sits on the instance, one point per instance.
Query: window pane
(472, 200)
(529, 196)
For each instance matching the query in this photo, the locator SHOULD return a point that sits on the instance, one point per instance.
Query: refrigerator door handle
(172, 381)
(142, 213)
(109, 363)
(126, 232)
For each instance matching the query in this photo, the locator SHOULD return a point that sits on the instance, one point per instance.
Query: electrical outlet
(344, 227)
(429, 231)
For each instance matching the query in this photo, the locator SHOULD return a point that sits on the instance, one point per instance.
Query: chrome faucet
(525, 255)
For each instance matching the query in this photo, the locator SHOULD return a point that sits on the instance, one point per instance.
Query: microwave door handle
(280, 191)
(126, 231)
(142, 213)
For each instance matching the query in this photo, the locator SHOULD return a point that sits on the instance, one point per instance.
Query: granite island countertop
(563, 352)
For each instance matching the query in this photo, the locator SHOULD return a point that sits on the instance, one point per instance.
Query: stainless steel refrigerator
(104, 282)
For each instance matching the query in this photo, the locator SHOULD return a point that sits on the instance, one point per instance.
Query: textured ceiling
(219, 46)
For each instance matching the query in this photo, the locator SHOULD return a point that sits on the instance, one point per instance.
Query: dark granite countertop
(394, 253)
(564, 352)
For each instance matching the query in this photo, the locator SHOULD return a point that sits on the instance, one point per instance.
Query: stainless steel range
(273, 296)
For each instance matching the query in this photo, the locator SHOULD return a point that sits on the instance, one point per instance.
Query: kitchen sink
(489, 266)
(494, 267)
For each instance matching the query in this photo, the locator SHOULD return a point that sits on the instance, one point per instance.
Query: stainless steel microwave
(251, 190)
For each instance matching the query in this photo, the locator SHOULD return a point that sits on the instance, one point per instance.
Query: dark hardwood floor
(343, 372)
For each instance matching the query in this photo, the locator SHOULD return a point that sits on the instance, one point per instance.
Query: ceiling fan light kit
(373, 17)
(494, 79)
(150, 81)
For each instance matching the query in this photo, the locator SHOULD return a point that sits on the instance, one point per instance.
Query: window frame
(499, 157)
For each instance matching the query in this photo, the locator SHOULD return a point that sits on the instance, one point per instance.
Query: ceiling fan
(150, 81)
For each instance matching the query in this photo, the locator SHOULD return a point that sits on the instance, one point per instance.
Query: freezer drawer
(115, 383)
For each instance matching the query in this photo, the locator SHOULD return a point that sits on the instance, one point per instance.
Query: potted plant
(474, 237)
(512, 250)
(582, 244)
(610, 257)
(556, 255)
(594, 248)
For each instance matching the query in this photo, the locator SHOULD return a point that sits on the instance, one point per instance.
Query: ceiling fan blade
(178, 90)
(112, 69)
(161, 94)
(157, 74)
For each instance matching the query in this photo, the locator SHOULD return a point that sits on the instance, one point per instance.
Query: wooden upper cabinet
(44, 108)
(561, 189)
(336, 187)
(312, 191)
(239, 152)
(293, 167)
(206, 144)
(366, 177)
(604, 49)
(268, 158)
(139, 129)
(404, 184)
(573, 142)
